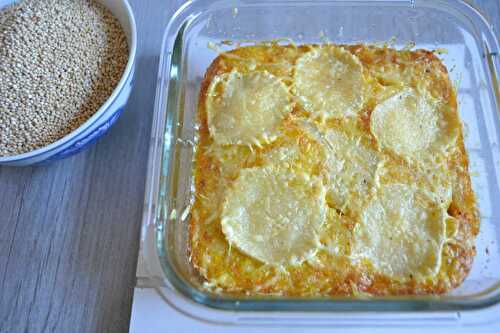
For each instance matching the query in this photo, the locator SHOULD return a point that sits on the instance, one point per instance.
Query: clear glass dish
(473, 61)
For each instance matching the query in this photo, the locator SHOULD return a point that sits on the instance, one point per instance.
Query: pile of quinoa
(59, 62)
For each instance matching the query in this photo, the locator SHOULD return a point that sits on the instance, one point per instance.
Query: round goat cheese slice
(351, 170)
(401, 233)
(329, 82)
(274, 215)
(246, 109)
(409, 123)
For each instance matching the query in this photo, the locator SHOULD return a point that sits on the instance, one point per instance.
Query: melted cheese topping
(430, 173)
(344, 186)
(410, 122)
(351, 170)
(401, 233)
(329, 82)
(274, 215)
(300, 151)
(246, 109)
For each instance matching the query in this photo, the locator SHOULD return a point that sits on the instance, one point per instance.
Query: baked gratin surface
(330, 170)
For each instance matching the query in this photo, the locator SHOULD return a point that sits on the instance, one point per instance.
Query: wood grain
(69, 231)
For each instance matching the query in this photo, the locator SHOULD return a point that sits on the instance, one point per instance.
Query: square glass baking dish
(473, 61)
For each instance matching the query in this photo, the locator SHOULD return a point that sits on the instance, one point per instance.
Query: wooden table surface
(69, 231)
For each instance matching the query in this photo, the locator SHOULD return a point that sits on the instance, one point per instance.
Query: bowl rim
(100, 112)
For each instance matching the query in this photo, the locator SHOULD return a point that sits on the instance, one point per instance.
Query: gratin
(330, 170)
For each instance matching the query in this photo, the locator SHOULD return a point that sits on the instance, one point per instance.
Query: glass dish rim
(166, 110)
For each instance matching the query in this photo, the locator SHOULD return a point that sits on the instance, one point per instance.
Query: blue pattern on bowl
(87, 141)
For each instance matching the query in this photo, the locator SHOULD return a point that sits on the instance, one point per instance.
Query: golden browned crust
(234, 272)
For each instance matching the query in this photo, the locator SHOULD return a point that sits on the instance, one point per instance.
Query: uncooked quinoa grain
(59, 62)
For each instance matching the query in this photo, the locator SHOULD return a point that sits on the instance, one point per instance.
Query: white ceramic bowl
(108, 113)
